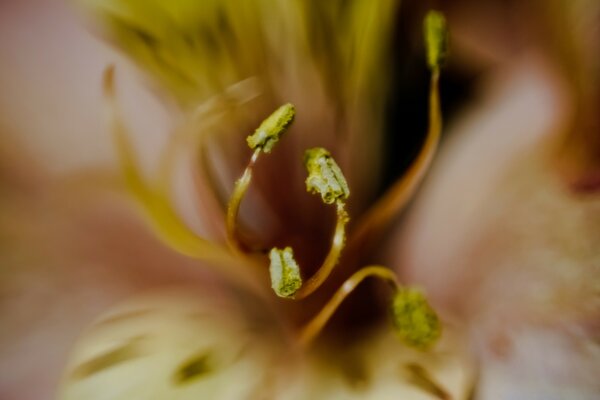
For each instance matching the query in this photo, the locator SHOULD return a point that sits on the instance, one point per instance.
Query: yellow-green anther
(436, 38)
(414, 320)
(285, 273)
(324, 176)
(271, 129)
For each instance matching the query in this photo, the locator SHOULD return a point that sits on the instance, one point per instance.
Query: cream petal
(186, 346)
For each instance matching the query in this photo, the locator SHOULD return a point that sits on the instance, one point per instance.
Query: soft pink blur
(65, 254)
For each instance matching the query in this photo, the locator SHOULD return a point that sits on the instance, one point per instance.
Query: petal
(173, 345)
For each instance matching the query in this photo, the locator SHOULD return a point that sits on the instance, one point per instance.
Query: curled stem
(314, 326)
(326, 179)
(337, 245)
(233, 208)
(264, 138)
(403, 189)
(436, 41)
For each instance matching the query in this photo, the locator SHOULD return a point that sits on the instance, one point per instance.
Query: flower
(204, 355)
(219, 331)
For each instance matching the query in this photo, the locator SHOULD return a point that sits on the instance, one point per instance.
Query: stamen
(326, 179)
(262, 140)
(194, 135)
(397, 196)
(414, 320)
(285, 273)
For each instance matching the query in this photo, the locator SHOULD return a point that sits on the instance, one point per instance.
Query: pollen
(285, 273)
(415, 322)
(436, 39)
(269, 132)
(324, 176)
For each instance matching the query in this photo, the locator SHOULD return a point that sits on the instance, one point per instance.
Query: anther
(268, 133)
(415, 322)
(324, 176)
(285, 273)
(436, 43)
(436, 39)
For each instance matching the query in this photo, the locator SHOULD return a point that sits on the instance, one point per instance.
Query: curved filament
(314, 327)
